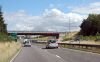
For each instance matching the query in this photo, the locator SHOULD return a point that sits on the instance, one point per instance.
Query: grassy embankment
(83, 40)
(8, 48)
(69, 36)
(41, 38)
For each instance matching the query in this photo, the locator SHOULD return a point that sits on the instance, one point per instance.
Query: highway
(38, 53)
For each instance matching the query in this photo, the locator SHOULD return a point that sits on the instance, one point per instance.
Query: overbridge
(45, 33)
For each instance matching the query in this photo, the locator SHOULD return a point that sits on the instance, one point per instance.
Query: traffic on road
(49, 53)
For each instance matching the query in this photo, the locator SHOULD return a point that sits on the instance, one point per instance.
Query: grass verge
(69, 36)
(8, 50)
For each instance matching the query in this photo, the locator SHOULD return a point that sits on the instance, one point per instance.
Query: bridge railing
(34, 32)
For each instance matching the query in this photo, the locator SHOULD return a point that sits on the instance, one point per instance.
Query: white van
(26, 42)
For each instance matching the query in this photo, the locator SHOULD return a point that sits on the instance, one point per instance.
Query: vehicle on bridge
(52, 43)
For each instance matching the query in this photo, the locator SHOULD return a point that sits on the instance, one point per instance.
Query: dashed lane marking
(58, 56)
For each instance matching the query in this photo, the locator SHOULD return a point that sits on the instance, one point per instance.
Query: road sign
(14, 36)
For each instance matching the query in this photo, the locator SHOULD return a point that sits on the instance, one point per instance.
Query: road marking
(59, 47)
(15, 55)
(83, 51)
(58, 56)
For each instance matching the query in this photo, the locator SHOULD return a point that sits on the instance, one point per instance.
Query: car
(52, 44)
(26, 43)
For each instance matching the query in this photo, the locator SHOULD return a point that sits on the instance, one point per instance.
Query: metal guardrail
(74, 45)
(81, 45)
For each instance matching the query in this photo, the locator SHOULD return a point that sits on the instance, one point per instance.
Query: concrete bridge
(45, 33)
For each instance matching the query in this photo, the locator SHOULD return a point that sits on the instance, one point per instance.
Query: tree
(91, 25)
(3, 27)
(86, 27)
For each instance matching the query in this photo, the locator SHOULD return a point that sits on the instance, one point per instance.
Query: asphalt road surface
(38, 53)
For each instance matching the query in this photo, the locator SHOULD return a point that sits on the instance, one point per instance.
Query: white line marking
(15, 55)
(58, 47)
(84, 51)
(58, 56)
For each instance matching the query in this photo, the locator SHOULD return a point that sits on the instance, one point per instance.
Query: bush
(4, 38)
(66, 39)
(91, 25)
(90, 37)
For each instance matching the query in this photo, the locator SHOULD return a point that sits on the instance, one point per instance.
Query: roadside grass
(83, 39)
(4, 38)
(90, 42)
(69, 36)
(41, 39)
(8, 50)
(95, 38)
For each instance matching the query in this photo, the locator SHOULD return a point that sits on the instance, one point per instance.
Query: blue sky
(47, 15)
(36, 7)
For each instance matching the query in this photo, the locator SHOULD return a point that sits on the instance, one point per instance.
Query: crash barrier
(87, 46)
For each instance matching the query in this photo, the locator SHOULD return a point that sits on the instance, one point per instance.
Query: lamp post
(69, 24)
(69, 27)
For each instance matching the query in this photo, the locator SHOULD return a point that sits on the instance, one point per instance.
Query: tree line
(91, 25)
(3, 26)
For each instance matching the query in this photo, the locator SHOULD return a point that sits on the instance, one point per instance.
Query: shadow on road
(49, 48)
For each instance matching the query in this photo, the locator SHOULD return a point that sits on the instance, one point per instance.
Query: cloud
(21, 21)
(51, 20)
(91, 8)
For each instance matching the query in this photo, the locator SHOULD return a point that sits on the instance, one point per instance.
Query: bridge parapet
(45, 33)
(32, 32)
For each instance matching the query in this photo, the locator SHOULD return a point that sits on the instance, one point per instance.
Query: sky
(47, 15)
